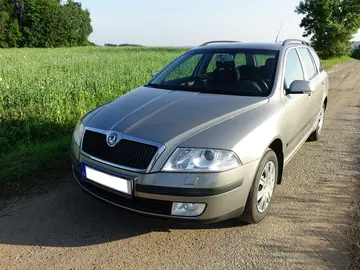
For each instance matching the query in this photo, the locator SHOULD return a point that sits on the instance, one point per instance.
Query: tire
(315, 136)
(256, 210)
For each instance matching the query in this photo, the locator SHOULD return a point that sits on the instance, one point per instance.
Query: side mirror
(301, 87)
(155, 74)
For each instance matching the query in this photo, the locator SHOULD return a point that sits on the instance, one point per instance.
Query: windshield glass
(232, 72)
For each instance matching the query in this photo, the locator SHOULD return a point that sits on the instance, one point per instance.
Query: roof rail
(291, 41)
(218, 41)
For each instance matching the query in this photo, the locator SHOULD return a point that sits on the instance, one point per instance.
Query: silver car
(208, 137)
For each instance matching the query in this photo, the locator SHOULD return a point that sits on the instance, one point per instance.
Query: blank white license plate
(107, 180)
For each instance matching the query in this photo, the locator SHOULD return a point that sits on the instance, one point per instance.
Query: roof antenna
(277, 37)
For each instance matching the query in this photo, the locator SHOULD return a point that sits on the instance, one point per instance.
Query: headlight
(203, 160)
(78, 132)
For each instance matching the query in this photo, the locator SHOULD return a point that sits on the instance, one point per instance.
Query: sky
(191, 22)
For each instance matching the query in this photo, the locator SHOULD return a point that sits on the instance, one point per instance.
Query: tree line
(43, 23)
(330, 24)
(122, 45)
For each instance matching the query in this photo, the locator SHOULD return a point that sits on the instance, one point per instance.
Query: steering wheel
(202, 79)
(262, 84)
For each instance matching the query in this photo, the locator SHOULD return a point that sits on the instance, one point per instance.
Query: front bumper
(225, 194)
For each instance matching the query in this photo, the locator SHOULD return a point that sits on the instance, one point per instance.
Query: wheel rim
(321, 119)
(266, 186)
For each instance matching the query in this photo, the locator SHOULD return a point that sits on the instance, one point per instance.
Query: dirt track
(307, 228)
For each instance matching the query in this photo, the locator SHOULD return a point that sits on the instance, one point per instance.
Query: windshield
(232, 72)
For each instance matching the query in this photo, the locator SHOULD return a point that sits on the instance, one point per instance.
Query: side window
(293, 69)
(240, 60)
(308, 62)
(186, 69)
(317, 61)
(261, 59)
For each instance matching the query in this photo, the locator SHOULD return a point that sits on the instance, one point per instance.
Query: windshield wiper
(163, 86)
(171, 87)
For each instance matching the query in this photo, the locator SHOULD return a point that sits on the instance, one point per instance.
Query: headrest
(270, 62)
(225, 61)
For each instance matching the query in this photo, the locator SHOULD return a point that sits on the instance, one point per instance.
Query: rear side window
(293, 69)
(262, 58)
(308, 62)
(317, 61)
(240, 59)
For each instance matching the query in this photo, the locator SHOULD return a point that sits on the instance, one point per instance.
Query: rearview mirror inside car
(301, 87)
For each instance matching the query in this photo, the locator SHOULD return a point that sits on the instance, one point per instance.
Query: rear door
(317, 79)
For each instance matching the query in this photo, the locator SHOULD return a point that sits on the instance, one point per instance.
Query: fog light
(187, 209)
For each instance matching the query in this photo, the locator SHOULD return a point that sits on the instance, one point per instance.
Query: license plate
(107, 180)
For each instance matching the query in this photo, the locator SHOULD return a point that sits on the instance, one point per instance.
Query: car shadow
(68, 217)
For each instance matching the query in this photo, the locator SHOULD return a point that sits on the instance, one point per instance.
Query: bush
(356, 53)
(333, 49)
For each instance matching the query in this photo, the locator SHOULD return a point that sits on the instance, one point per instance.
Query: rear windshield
(233, 72)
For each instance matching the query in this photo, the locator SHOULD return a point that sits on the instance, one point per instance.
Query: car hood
(166, 116)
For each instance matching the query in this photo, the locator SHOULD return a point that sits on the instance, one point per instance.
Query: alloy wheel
(266, 186)
(321, 119)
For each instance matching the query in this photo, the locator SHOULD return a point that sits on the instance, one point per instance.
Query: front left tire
(262, 190)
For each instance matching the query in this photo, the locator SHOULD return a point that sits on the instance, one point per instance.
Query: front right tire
(262, 190)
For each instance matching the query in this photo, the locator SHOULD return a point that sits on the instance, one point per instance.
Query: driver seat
(225, 72)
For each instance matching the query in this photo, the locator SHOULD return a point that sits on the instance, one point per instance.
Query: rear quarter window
(308, 62)
(317, 61)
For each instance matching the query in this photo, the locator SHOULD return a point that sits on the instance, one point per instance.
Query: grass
(43, 92)
(330, 63)
(34, 166)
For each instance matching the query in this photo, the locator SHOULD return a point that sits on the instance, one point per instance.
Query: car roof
(242, 45)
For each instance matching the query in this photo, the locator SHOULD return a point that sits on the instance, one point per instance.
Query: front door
(318, 81)
(296, 105)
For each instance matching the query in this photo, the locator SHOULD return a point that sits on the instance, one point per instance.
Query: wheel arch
(326, 102)
(278, 147)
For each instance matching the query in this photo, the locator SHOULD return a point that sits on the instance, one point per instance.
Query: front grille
(136, 203)
(126, 153)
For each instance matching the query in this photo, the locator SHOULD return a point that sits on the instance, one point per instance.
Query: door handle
(323, 84)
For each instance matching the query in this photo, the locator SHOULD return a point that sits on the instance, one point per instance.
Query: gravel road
(307, 229)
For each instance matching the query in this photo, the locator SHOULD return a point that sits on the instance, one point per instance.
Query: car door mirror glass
(301, 87)
(155, 74)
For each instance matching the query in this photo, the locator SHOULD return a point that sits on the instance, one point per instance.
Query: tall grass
(43, 92)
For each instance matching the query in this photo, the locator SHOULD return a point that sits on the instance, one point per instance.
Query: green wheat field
(43, 92)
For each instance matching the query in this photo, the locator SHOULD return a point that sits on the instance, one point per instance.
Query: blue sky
(191, 22)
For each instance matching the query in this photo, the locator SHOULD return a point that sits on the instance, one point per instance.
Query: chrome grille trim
(161, 149)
